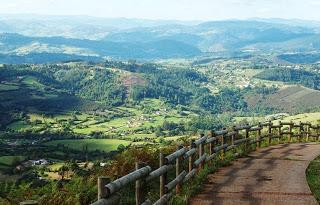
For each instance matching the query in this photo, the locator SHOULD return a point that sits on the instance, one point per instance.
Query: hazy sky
(169, 9)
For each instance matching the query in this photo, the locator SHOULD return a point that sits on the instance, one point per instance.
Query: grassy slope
(313, 177)
(304, 117)
(313, 117)
(288, 99)
(106, 145)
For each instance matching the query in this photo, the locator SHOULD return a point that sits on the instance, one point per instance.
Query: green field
(84, 123)
(137, 120)
(32, 81)
(55, 166)
(304, 117)
(19, 125)
(175, 138)
(249, 119)
(106, 145)
(8, 87)
(313, 117)
(9, 160)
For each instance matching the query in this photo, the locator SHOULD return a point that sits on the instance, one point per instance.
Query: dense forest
(81, 86)
(301, 58)
(306, 78)
(178, 86)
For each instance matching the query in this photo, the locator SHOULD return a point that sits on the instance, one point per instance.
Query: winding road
(269, 176)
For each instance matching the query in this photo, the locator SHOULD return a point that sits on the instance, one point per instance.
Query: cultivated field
(106, 145)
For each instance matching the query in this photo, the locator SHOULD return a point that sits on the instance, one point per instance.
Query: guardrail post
(247, 137)
(259, 136)
(290, 131)
(270, 132)
(201, 152)
(280, 131)
(307, 132)
(211, 145)
(163, 178)
(300, 131)
(102, 182)
(192, 145)
(178, 186)
(139, 196)
(234, 137)
(223, 138)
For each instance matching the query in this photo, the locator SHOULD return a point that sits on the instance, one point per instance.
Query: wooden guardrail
(199, 152)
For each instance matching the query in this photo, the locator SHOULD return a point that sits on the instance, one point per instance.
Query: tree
(121, 148)
(63, 171)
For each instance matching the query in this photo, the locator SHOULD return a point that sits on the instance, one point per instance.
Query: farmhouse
(31, 163)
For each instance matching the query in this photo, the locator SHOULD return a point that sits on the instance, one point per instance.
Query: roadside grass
(313, 177)
(106, 145)
(194, 186)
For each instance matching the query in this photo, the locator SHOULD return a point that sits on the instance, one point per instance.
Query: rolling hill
(290, 99)
(16, 48)
(84, 37)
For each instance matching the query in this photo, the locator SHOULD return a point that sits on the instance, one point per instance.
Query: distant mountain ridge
(99, 38)
(18, 45)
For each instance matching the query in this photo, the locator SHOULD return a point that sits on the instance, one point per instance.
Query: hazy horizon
(31, 15)
(181, 10)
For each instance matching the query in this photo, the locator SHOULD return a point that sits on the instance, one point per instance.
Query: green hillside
(303, 77)
(289, 99)
(81, 116)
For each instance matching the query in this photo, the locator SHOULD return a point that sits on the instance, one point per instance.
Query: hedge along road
(269, 176)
